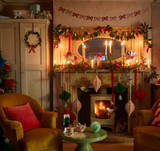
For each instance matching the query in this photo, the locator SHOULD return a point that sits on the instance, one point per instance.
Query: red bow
(105, 18)
(122, 16)
(113, 18)
(147, 49)
(102, 28)
(56, 45)
(75, 14)
(138, 12)
(89, 17)
(32, 48)
(61, 9)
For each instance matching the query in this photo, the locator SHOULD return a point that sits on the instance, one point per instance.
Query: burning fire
(100, 109)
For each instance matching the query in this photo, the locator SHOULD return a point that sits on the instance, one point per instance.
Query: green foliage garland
(65, 31)
(33, 33)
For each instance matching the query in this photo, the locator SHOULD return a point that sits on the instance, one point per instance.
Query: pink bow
(113, 18)
(2, 90)
(105, 18)
(82, 16)
(138, 12)
(129, 15)
(32, 48)
(75, 14)
(68, 12)
(97, 18)
(89, 17)
(145, 10)
(62, 9)
(122, 16)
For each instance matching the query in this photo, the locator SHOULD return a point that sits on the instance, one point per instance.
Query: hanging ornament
(96, 83)
(140, 94)
(125, 78)
(130, 55)
(129, 107)
(65, 96)
(8, 84)
(2, 61)
(76, 106)
(72, 117)
(112, 106)
(119, 88)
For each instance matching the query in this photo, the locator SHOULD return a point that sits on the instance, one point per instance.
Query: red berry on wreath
(8, 84)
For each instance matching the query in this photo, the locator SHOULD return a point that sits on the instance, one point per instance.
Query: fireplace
(100, 110)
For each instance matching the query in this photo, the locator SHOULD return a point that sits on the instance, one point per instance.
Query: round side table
(84, 142)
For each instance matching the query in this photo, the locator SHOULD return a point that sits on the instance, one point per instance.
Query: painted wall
(156, 35)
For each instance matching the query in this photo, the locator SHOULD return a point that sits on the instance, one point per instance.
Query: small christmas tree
(6, 83)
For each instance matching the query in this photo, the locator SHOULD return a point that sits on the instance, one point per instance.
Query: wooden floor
(102, 146)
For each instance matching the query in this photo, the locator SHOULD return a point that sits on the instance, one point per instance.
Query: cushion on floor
(149, 135)
(38, 138)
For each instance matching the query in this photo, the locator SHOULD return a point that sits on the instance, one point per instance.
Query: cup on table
(70, 131)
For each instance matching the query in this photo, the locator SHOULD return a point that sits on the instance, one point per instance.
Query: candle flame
(82, 43)
(92, 61)
(122, 43)
(140, 42)
(105, 42)
(60, 45)
(84, 46)
(54, 61)
(64, 61)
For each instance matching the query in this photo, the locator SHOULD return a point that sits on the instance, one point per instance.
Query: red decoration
(140, 94)
(147, 49)
(72, 117)
(7, 67)
(8, 84)
(68, 53)
(138, 12)
(122, 16)
(32, 48)
(55, 45)
(158, 81)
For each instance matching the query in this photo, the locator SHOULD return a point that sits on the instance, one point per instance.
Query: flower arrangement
(99, 55)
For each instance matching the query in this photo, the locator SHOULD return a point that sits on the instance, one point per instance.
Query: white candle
(64, 64)
(148, 64)
(60, 50)
(105, 48)
(122, 48)
(110, 44)
(84, 54)
(140, 48)
(54, 62)
(92, 64)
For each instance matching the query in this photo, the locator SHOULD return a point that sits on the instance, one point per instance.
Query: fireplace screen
(101, 111)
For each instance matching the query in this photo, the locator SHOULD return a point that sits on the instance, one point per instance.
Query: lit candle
(136, 64)
(67, 62)
(105, 48)
(122, 48)
(92, 64)
(140, 48)
(60, 50)
(84, 51)
(148, 64)
(110, 44)
(64, 64)
(54, 62)
(128, 62)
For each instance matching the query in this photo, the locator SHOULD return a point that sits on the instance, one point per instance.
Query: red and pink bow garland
(95, 18)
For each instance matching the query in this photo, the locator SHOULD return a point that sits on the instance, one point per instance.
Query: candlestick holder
(110, 56)
(105, 58)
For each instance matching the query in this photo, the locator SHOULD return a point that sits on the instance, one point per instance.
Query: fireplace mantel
(105, 76)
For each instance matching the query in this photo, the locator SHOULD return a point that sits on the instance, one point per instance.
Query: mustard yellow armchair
(146, 136)
(46, 138)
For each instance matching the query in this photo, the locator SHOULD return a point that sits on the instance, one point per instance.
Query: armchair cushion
(24, 115)
(156, 118)
(49, 138)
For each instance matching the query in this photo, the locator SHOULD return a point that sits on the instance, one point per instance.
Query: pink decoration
(138, 12)
(96, 83)
(122, 16)
(85, 65)
(117, 65)
(147, 49)
(2, 90)
(76, 106)
(56, 45)
(113, 18)
(129, 107)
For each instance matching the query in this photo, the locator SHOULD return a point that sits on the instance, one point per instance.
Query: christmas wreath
(28, 44)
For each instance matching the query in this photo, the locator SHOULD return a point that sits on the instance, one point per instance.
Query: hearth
(100, 110)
